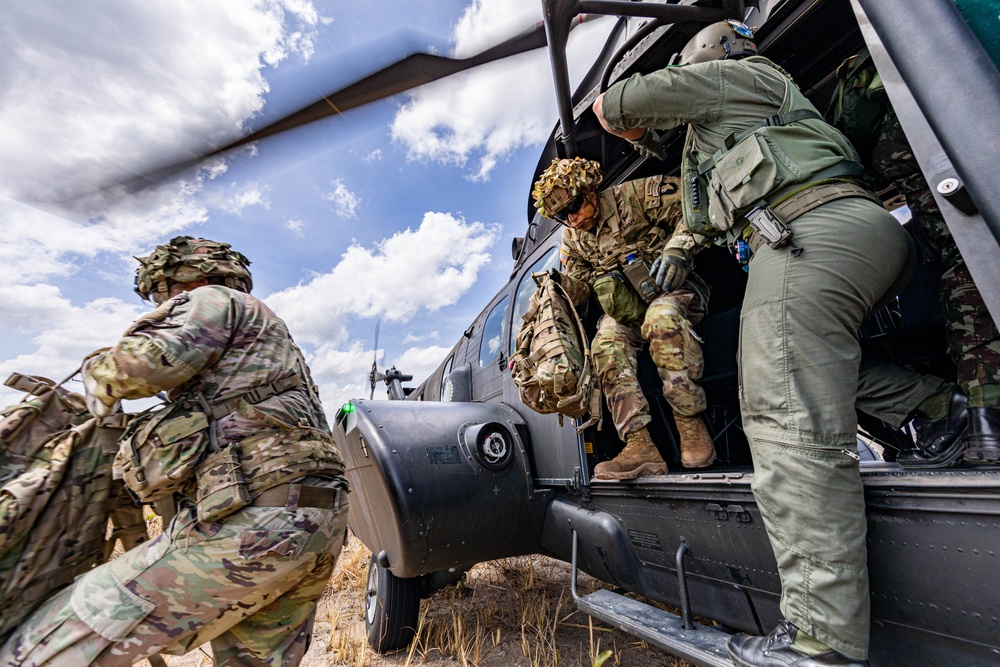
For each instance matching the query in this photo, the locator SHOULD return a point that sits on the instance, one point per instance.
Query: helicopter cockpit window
(491, 347)
(527, 287)
(444, 374)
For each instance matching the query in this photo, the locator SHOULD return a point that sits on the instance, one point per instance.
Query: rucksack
(56, 495)
(552, 364)
(859, 103)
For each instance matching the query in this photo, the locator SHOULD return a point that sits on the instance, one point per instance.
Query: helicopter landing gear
(392, 607)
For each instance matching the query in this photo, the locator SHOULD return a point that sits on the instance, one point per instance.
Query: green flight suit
(799, 357)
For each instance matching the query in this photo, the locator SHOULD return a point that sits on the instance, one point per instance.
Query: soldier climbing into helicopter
(614, 245)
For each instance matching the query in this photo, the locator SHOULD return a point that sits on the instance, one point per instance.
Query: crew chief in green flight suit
(799, 358)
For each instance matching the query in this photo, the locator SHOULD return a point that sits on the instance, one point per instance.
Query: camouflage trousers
(248, 583)
(674, 347)
(973, 338)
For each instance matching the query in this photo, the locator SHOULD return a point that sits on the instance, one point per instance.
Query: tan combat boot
(697, 450)
(639, 457)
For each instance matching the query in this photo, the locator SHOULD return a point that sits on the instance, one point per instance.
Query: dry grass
(516, 611)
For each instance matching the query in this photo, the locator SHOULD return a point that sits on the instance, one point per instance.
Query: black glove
(556, 276)
(671, 268)
(649, 145)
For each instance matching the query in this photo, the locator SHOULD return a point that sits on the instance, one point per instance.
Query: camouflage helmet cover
(562, 181)
(187, 258)
(719, 41)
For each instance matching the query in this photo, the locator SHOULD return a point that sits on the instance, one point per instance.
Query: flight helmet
(724, 40)
(187, 258)
(563, 182)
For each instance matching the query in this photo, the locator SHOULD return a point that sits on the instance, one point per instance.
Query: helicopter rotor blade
(412, 71)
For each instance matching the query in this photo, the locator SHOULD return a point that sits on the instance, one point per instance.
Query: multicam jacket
(637, 217)
(223, 343)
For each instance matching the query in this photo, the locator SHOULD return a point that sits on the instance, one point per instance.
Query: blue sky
(402, 211)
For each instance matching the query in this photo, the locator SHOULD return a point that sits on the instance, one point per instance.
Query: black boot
(939, 441)
(982, 444)
(776, 650)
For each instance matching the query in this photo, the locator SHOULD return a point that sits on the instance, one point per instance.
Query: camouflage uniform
(247, 582)
(973, 339)
(639, 217)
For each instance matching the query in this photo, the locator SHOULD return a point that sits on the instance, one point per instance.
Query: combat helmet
(187, 258)
(719, 41)
(562, 181)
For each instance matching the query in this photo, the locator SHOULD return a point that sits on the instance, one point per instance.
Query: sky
(402, 211)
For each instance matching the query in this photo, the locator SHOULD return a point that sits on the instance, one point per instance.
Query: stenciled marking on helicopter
(645, 540)
(443, 455)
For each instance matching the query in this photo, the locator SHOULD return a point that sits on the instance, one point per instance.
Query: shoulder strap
(776, 120)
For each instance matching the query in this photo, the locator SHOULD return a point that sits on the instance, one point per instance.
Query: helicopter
(457, 471)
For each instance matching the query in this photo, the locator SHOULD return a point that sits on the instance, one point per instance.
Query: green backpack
(859, 103)
(551, 365)
(56, 495)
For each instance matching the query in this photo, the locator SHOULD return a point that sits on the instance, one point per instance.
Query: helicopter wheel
(392, 607)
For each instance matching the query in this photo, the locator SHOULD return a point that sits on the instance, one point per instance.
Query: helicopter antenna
(374, 377)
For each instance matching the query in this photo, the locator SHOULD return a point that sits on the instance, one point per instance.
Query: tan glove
(671, 268)
(94, 397)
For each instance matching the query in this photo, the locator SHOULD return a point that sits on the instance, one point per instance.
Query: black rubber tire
(392, 608)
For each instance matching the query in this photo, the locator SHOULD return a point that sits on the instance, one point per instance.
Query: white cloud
(239, 198)
(374, 156)
(345, 202)
(65, 334)
(413, 338)
(423, 269)
(94, 92)
(296, 226)
(488, 112)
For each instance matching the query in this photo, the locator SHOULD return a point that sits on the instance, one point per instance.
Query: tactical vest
(551, 365)
(785, 151)
(613, 247)
(175, 449)
(56, 496)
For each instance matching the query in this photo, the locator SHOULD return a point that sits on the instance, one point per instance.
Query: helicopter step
(680, 636)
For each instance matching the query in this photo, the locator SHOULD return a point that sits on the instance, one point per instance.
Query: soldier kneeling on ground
(623, 244)
(242, 453)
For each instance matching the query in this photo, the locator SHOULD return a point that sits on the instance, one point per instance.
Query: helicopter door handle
(502, 361)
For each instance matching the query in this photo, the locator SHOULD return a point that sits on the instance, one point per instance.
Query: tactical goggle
(572, 208)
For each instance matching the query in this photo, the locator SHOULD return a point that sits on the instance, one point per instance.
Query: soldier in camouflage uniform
(861, 110)
(609, 235)
(247, 580)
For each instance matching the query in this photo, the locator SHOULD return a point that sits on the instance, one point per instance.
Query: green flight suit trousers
(800, 378)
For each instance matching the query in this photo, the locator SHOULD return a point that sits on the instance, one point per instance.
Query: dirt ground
(516, 612)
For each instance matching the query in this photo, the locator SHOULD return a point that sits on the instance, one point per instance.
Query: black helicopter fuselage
(462, 472)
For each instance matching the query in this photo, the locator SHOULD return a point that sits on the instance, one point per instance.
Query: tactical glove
(649, 145)
(555, 276)
(671, 268)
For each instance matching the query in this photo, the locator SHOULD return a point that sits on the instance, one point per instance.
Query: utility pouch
(222, 487)
(771, 229)
(161, 448)
(617, 298)
(638, 275)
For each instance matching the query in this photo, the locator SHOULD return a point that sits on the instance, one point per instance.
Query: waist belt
(220, 409)
(803, 200)
(298, 495)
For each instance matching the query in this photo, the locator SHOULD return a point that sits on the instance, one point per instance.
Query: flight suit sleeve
(164, 349)
(666, 99)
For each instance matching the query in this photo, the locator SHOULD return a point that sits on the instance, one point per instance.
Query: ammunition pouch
(618, 299)
(638, 276)
(161, 448)
(222, 486)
